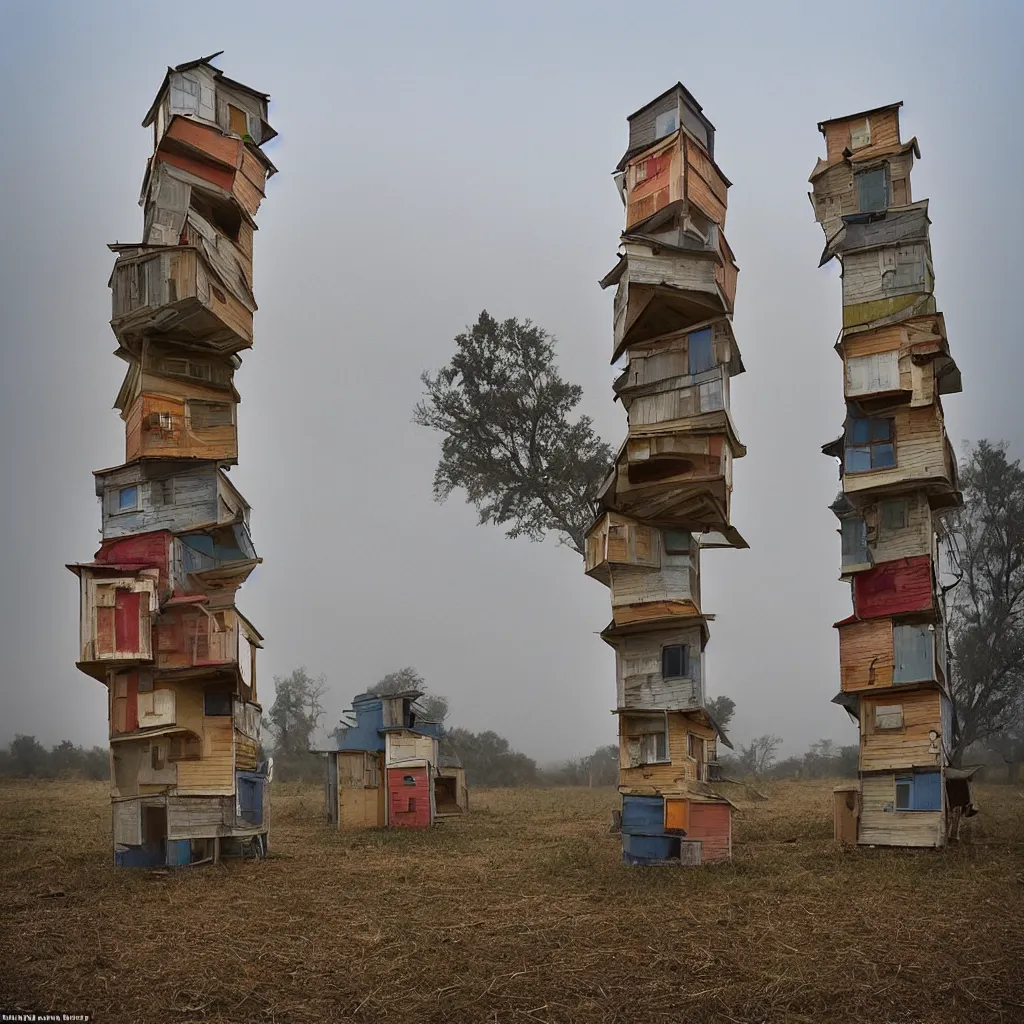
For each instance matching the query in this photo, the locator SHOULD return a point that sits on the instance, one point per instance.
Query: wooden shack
(899, 478)
(667, 499)
(159, 623)
(386, 768)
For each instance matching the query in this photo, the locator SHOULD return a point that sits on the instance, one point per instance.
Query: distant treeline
(26, 758)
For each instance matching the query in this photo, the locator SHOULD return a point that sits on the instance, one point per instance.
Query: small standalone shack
(385, 767)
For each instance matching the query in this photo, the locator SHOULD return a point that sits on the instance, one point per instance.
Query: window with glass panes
(870, 444)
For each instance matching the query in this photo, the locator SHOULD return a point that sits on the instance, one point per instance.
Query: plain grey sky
(438, 159)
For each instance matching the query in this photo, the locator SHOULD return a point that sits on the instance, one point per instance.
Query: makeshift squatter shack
(386, 767)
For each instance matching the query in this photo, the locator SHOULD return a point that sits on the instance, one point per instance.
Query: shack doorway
(154, 830)
(446, 795)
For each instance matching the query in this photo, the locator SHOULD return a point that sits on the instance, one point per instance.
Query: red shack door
(126, 621)
(409, 797)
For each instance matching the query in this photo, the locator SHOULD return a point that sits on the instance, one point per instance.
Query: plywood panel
(866, 654)
(887, 827)
(214, 773)
(910, 745)
(712, 825)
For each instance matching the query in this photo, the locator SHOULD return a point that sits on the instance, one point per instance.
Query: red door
(126, 621)
(409, 797)
(131, 706)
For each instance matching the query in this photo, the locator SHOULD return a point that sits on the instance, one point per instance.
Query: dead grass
(521, 912)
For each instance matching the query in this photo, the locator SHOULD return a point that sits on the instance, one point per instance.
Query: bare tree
(758, 756)
(987, 608)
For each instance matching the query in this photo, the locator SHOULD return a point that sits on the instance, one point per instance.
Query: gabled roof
(188, 66)
(657, 99)
(859, 113)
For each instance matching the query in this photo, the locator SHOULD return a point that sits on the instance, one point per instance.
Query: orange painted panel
(208, 140)
(677, 815)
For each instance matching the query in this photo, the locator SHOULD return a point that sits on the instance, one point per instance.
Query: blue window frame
(127, 499)
(869, 445)
(921, 792)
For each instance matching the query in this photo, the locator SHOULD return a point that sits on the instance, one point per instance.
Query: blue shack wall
(367, 733)
(195, 501)
(643, 815)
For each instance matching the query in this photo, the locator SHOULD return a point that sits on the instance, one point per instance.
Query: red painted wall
(131, 710)
(400, 793)
(200, 168)
(208, 140)
(144, 550)
(711, 824)
(126, 621)
(894, 588)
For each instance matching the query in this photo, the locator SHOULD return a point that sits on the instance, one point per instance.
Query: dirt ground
(519, 912)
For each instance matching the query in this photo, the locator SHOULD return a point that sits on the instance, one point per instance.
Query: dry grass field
(520, 912)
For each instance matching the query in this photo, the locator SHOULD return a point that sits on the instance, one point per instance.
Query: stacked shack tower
(899, 476)
(159, 623)
(667, 498)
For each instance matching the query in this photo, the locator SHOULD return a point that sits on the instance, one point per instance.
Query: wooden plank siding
(638, 669)
(214, 772)
(193, 494)
(909, 745)
(168, 426)
(667, 776)
(885, 133)
(923, 454)
(866, 654)
(711, 823)
(879, 826)
(901, 587)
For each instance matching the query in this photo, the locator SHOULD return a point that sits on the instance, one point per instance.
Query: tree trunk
(1013, 772)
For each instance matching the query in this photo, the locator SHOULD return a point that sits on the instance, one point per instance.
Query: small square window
(128, 499)
(666, 124)
(894, 515)
(677, 542)
(216, 703)
(674, 662)
(654, 746)
(860, 135)
(888, 716)
(408, 780)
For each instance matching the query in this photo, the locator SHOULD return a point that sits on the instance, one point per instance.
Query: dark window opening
(702, 357)
(873, 190)
(658, 469)
(674, 662)
(677, 542)
(224, 216)
(216, 703)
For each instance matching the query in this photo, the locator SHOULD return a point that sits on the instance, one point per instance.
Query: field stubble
(519, 912)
